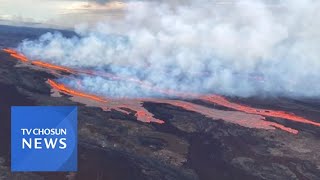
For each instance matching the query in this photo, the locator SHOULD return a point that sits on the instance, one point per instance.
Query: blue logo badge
(44, 138)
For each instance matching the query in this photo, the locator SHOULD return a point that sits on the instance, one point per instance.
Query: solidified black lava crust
(115, 146)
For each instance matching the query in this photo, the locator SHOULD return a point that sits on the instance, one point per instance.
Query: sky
(66, 14)
(56, 13)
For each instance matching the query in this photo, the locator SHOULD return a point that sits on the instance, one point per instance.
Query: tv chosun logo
(44, 138)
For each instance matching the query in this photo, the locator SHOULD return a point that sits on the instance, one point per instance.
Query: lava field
(187, 136)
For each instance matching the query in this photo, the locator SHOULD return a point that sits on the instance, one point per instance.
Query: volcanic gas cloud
(245, 116)
(188, 50)
(239, 48)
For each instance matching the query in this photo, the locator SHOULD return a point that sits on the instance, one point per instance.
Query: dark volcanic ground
(113, 145)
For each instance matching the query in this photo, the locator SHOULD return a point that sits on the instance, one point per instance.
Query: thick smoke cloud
(246, 48)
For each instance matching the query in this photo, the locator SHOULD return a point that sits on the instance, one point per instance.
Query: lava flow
(52, 67)
(264, 112)
(106, 104)
(254, 117)
(16, 55)
(66, 90)
(125, 105)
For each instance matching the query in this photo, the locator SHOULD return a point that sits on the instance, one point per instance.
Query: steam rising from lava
(246, 48)
(249, 117)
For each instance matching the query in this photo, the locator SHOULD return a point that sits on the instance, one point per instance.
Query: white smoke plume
(240, 48)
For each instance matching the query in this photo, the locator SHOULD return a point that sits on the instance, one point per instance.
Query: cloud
(110, 6)
(88, 13)
(241, 48)
(18, 21)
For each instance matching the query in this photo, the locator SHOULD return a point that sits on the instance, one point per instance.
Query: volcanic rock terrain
(206, 137)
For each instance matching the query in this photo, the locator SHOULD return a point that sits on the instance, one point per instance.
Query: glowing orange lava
(69, 91)
(264, 112)
(251, 121)
(141, 114)
(145, 116)
(52, 66)
(10, 51)
(243, 119)
(16, 55)
(46, 65)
